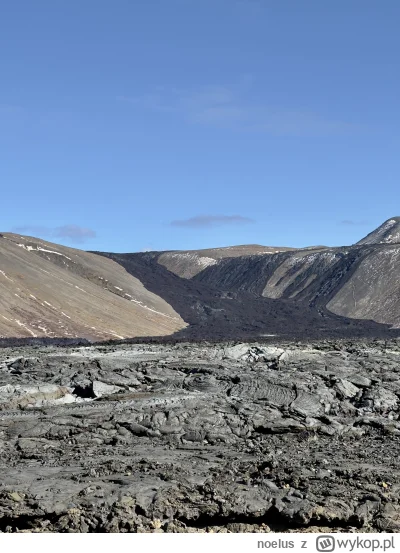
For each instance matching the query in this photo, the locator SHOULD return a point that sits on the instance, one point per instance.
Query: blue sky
(130, 125)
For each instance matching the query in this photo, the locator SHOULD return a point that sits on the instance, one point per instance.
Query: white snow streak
(5, 276)
(23, 325)
(141, 304)
(39, 249)
(81, 289)
(115, 334)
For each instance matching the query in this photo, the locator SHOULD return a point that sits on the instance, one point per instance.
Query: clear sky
(128, 125)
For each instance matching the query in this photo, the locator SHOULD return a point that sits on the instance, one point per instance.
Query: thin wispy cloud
(75, 233)
(208, 221)
(226, 107)
(71, 233)
(351, 222)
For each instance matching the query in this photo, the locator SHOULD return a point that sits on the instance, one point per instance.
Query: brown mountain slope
(47, 290)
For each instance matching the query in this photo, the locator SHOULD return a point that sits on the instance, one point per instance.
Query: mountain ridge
(52, 291)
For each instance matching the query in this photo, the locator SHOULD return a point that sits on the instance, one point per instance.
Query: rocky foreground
(201, 438)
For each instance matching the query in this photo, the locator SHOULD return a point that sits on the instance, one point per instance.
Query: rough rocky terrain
(201, 438)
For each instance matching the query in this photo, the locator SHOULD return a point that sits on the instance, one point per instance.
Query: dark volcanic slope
(360, 282)
(215, 314)
(189, 263)
(387, 233)
(299, 275)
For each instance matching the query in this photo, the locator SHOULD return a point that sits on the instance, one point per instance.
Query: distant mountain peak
(387, 233)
